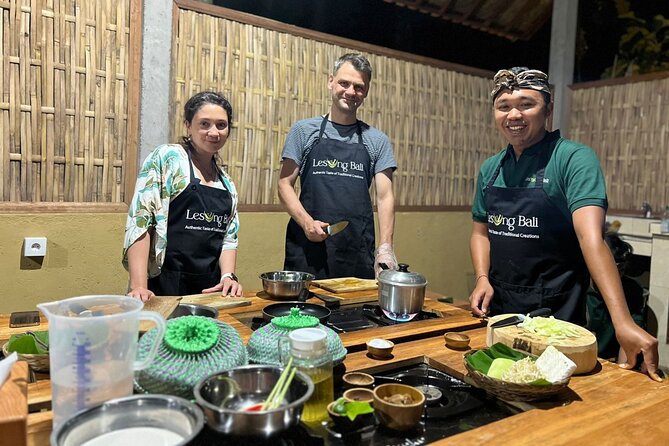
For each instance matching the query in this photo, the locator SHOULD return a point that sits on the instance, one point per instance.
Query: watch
(230, 275)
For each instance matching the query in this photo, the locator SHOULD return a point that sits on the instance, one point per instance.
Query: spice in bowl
(456, 341)
(380, 348)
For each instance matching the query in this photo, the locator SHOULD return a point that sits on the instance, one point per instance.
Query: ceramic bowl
(358, 379)
(458, 341)
(398, 416)
(380, 348)
(360, 394)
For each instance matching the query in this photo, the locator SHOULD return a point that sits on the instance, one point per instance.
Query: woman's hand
(141, 293)
(480, 298)
(227, 287)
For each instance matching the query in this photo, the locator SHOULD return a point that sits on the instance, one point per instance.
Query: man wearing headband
(539, 212)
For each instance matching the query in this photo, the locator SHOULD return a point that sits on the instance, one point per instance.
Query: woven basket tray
(512, 391)
(37, 362)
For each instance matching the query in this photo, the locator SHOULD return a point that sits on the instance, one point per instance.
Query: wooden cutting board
(215, 300)
(164, 305)
(582, 349)
(346, 284)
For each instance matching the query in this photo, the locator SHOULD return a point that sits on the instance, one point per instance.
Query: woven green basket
(263, 346)
(193, 347)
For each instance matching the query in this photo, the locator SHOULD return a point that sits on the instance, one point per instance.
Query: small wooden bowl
(360, 394)
(457, 341)
(343, 423)
(358, 379)
(377, 351)
(399, 417)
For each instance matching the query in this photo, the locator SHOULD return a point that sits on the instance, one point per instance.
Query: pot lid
(402, 277)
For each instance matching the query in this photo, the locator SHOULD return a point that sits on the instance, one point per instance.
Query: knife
(337, 227)
(517, 319)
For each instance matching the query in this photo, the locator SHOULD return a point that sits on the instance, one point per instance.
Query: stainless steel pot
(401, 292)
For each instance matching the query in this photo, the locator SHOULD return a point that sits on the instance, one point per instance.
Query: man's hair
(358, 61)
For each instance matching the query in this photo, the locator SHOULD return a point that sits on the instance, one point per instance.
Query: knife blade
(517, 319)
(337, 227)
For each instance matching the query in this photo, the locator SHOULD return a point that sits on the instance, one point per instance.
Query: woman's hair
(199, 100)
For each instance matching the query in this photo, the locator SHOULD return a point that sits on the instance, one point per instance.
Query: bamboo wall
(64, 100)
(628, 126)
(439, 121)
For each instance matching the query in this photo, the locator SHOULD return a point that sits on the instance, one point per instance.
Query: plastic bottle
(664, 225)
(310, 354)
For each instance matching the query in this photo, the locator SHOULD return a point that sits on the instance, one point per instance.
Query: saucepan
(283, 309)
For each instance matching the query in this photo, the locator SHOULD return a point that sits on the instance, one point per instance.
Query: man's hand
(314, 230)
(227, 287)
(141, 293)
(634, 340)
(480, 298)
(384, 254)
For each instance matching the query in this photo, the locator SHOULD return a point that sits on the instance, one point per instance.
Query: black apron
(535, 257)
(335, 179)
(198, 220)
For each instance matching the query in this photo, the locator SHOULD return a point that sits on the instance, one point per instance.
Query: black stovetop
(360, 317)
(452, 407)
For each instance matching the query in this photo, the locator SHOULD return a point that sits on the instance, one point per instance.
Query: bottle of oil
(310, 354)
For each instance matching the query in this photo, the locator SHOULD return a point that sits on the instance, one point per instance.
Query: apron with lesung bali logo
(535, 257)
(197, 222)
(335, 184)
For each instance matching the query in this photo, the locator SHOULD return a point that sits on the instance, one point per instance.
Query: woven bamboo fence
(63, 104)
(628, 126)
(439, 121)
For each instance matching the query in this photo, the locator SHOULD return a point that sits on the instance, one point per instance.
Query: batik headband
(508, 80)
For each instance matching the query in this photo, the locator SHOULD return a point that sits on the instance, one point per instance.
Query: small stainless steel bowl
(285, 284)
(223, 397)
(165, 412)
(193, 310)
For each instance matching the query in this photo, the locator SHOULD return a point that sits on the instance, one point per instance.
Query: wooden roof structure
(511, 19)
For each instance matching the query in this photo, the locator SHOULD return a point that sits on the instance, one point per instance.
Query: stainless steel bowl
(193, 310)
(223, 397)
(285, 284)
(164, 412)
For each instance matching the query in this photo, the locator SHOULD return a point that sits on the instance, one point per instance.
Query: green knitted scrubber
(193, 347)
(295, 320)
(191, 335)
(263, 345)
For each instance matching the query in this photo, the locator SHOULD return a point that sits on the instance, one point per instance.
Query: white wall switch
(34, 246)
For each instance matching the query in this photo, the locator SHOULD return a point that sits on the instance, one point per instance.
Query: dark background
(387, 25)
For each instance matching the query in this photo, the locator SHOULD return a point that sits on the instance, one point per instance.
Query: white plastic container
(92, 347)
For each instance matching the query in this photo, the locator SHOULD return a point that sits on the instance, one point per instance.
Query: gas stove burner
(399, 317)
(432, 393)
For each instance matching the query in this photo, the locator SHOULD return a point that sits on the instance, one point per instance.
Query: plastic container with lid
(401, 293)
(309, 350)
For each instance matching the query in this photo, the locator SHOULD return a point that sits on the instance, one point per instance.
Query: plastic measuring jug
(92, 346)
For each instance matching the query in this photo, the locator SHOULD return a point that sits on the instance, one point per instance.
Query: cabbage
(549, 327)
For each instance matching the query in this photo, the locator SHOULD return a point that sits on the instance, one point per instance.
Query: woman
(182, 223)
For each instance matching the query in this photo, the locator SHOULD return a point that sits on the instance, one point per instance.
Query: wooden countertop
(609, 405)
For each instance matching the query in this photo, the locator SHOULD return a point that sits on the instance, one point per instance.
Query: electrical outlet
(34, 246)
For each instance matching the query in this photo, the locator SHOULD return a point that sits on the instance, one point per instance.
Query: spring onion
(276, 396)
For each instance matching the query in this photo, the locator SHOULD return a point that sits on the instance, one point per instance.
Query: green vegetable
(499, 367)
(480, 361)
(26, 344)
(500, 350)
(551, 328)
(355, 408)
(351, 409)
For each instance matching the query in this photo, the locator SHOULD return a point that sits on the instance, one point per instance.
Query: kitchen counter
(609, 405)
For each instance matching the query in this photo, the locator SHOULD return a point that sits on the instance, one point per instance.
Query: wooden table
(607, 406)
